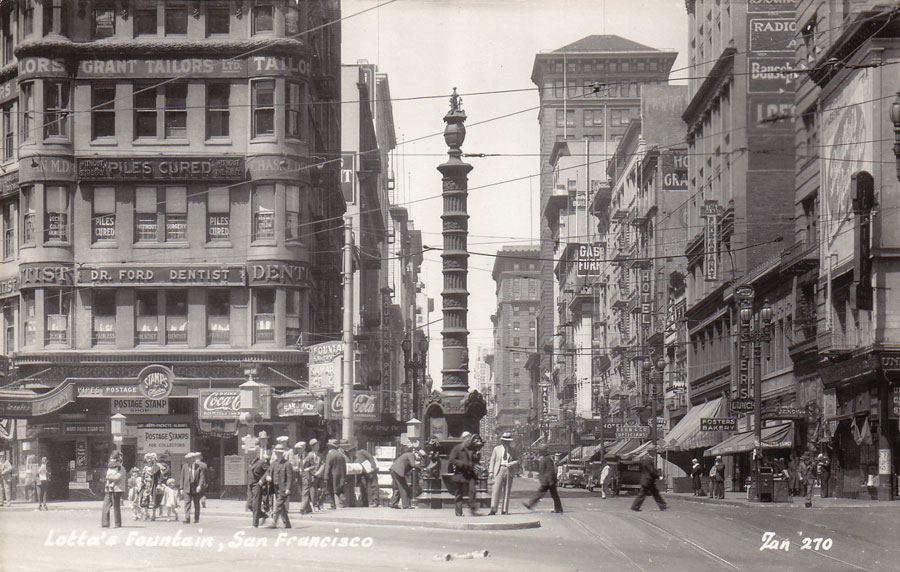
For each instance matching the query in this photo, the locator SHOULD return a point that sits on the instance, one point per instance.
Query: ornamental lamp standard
(652, 370)
(250, 396)
(415, 363)
(117, 428)
(895, 119)
(414, 433)
(759, 327)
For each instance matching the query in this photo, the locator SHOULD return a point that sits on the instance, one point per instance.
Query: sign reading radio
(156, 382)
(169, 168)
(127, 275)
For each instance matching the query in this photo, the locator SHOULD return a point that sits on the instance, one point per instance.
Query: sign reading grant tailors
(171, 168)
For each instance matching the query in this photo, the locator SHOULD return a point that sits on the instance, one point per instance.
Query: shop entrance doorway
(60, 456)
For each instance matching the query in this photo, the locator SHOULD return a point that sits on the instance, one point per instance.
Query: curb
(445, 525)
(797, 504)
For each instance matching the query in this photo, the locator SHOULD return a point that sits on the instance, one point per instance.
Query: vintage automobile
(624, 475)
(573, 475)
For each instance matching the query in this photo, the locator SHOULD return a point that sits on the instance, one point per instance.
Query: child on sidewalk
(134, 492)
(170, 499)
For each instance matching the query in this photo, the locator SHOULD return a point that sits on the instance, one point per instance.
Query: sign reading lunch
(170, 168)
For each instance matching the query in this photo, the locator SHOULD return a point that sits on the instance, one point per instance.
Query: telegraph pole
(347, 369)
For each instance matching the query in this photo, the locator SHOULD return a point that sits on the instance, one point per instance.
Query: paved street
(593, 534)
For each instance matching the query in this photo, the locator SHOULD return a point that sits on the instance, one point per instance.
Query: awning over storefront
(776, 437)
(538, 441)
(622, 447)
(638, 451)
(687, 434)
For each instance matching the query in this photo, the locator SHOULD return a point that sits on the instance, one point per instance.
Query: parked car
(573, 475)
(628, 475)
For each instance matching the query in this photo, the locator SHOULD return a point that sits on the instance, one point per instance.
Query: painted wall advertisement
(590, 259)
(847, 147)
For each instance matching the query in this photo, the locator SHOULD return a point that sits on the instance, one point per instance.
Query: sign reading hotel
(171, 168)
(646, 297)
(718, 423)
(674, 167)
(589, 259)
(131, 274)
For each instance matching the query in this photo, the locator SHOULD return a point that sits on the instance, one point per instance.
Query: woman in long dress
(149, 483)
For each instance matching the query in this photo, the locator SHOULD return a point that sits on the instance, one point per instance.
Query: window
(263, 17)
(176, 110)
(654, 65)
(9, 231)
(565, 118)
(176, 18)
(6, 29)
(176, 214)
(558, 89)
(626, 66)
(146, 320)
(586, 67)
(103, 22)
(218, 316)
(103, 221)
(572, 88)
(56, 307)
(218, 19)
(145, 218)
(29, 327)
(263, 103)
(264, 315)
(56, 17)
(217, 111)
(103, 110)
(515, 342)
(27, 102)
(145, 110)
(292, 18)
(56, 208)
(28, 212)
(292, 212)
(9, 133)
(57, 108)
(571, 185)
(145, 20)
(104, 316)
(264, 212)
(176, 316)
(28, 18)
(557, 67)
(218, 214)
(292, 316)
(613, 67)
(293, 110)
(642, 66)
(516, 326)
(593, 117)
(9, 325)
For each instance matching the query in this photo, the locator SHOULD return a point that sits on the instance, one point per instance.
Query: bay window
(263, 212)
(292, 212)
(263, 105)
(146, 319)
(56, 17)
(9, 133)
(104, 316)
(176, 214)
(292, 315)
(146, 220)
(103, 221)
(103, 110)
(263, 17)
(218, 214)
(9, 231)
(56, 308)
(26, 101)
(56, 209)
(27, 18)
(29, 327)
(57, 108)
(292, 18)
(176, 316)
(218, 316)
(28, 214)
(293, 110)
(9, 326)
(264, 315)
(103, 21)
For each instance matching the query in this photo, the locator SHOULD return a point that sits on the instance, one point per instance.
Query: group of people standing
(151, 488)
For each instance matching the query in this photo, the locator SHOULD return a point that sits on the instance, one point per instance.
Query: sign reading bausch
(171, 168)
(589, 259)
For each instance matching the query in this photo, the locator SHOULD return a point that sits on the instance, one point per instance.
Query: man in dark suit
(547, 478)
(256, 474)
(368, 480)
(193, 485)
(462, 463)
(335, 474)
(649, 476)
(282, 476)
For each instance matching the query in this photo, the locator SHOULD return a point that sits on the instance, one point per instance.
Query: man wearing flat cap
(335, 474)
(500, 469)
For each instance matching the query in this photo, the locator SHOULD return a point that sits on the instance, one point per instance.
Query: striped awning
(775, 437)
(622, 446)
(686, 435)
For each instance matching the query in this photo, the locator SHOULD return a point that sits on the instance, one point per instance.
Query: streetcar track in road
(706, 552)
(605, 542)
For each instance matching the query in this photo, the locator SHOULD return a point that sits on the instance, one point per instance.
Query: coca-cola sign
(365, 405)
(220, 403)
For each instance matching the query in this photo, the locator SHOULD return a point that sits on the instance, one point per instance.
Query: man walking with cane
(500, 469)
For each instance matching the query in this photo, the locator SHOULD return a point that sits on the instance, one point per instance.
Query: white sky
(429, 46)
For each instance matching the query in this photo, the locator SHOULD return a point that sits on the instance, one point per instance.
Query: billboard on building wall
(674, 167)
(846, 148)
(589, 259)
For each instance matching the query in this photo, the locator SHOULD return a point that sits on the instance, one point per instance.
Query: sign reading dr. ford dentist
(156, 382)
(365, 405)
(190, 275)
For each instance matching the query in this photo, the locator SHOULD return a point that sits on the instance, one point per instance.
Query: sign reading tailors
(131, 274)
(140, 406)
(156, 382)
(718, 423)
(164, 438)
(632, 432)
(168, 168)
(365, 405)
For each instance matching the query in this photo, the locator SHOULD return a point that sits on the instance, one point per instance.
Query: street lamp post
(895, 119)
(117, 428)
(757, 332)
(654, 370)
(415, 362)
(601, 406)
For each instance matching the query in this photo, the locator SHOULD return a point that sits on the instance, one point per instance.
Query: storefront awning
(776, 437)
(622, 446)
(687, 434)
(538, 441)
(638, 451)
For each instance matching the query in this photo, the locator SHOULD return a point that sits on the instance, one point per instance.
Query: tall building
(168, 223)
(517, 279)
(589, 91)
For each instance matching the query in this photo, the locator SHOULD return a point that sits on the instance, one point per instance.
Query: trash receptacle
(765, 485)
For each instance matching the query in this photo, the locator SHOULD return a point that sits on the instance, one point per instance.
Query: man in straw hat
(500, 470)
(649, 476)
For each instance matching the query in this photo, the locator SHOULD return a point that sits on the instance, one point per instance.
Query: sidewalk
(380, 516)
(740, 499)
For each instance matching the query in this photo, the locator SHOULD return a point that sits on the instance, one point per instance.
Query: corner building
(164, 204)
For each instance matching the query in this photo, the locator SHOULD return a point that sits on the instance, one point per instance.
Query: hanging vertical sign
(646, 297)
(712, 212)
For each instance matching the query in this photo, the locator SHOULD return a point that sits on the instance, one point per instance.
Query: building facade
(167, 230)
